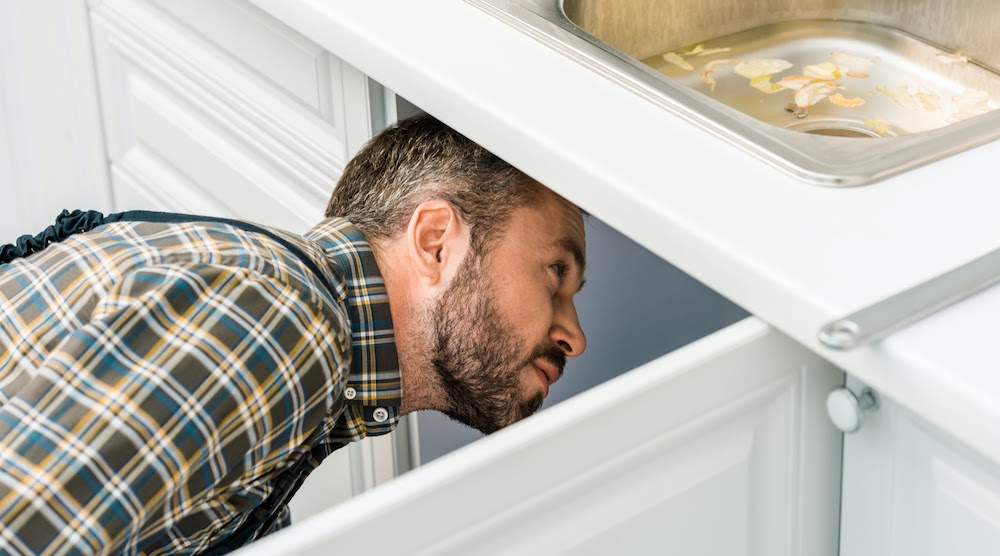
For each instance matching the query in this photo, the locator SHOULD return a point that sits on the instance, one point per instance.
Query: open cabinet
(721, 447)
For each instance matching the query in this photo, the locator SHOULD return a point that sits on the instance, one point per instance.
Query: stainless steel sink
(906, 82)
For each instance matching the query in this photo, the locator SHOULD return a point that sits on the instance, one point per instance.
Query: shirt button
(380, 414)
(350, 393)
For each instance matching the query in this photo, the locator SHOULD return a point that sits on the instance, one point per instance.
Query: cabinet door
(720, 448)
(51, 149)
(217, 108)
(910, 490)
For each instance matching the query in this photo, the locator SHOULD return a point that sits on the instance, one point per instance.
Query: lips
(548, 373)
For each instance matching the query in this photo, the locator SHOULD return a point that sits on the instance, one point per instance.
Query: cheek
(531, 313)
(524, 298)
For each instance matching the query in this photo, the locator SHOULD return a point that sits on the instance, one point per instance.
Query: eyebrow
(573, 248)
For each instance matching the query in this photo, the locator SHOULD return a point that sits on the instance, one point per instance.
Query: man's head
(481, 263)
(420, 159)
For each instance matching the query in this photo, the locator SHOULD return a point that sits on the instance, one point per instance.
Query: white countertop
(795, 255)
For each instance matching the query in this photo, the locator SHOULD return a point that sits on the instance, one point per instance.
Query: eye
(559, 269)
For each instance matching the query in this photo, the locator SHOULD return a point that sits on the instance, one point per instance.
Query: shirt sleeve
(162, 419)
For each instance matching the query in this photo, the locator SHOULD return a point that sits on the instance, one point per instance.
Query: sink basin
(833, 92)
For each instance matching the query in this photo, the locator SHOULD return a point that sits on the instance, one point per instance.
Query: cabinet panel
(966, 510)
(51, 148)
(286, 58)
(721, 447)
(911, 490)
(244, 143)
(143, 181)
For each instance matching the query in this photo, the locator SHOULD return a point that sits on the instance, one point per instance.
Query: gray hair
(420, 159)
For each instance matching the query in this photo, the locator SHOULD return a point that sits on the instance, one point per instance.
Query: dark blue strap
(67, 224)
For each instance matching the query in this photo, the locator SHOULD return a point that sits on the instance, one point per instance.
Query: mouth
(548, 373)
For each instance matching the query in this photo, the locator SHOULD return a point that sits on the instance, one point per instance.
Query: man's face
(507, 322)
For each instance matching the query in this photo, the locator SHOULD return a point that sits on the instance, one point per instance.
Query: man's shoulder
(262, 250)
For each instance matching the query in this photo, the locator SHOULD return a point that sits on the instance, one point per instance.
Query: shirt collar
(374, 387)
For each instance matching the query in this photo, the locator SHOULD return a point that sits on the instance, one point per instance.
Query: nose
(566, 331)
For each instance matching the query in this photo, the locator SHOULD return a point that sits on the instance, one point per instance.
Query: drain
(840, 132)
(835, 128)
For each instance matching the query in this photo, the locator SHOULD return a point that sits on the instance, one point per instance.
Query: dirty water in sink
(835, 78)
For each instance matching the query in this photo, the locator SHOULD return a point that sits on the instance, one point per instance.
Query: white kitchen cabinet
(51, 149)
(911, 490)
(721, 447)
(216, 108)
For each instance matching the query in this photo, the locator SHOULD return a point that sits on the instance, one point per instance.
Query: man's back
(153, 379)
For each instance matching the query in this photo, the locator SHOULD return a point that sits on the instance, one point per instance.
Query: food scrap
(814, 92)
(827, 71)
(921, 100)
(823, 80)
(927, 100)
(700, 50)
(709, 51)
(971, 103)
(841, 100)
(878, 125)
(952, 58)
(795, 82)
(677, 60)
(900, 95)
(764, 85)
(758, 71)
(853, 65)
(760, 67)
(714, 66)
(818, 81)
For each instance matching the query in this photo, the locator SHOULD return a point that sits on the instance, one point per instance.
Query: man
(159, 380)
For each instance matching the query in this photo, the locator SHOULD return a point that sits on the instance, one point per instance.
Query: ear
(437, 241)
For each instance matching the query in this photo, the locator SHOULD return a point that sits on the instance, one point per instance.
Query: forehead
(553, 223)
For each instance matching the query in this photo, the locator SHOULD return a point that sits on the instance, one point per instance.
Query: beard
(478, 357)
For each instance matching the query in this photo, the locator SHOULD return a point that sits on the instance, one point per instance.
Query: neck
(421, 385)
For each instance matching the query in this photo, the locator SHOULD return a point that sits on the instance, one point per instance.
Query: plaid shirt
(156, 378)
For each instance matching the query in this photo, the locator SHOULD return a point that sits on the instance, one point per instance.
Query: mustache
(551, 354)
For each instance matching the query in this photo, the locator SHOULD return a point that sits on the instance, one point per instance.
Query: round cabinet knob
(847, 410)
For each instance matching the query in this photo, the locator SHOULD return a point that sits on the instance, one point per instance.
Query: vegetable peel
(677, 60)
(826, 71)
(814, 92)
(710, 51)
(700, 50)
(764, 85)
(952, 58)
(758, 71)
(927, 100)
(971, 103)
(853, 65)
(841, 100)
(759, 67)
(878, 125)
(714, 66)
(795, 82)
(923, 100)
(900, 95)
